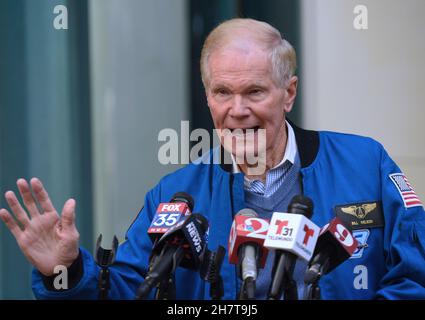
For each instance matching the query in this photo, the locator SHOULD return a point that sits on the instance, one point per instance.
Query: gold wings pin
(361, 211)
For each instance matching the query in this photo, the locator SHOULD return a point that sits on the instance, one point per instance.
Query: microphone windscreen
(301, 205)
(184, 197)
(247, 213)
(203, 222)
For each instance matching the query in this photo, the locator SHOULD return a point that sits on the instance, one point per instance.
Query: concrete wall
(139, 80)
(369, 82)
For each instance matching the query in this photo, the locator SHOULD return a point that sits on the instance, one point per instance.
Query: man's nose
(239, 107)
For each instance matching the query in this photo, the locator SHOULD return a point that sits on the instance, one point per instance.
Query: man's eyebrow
(257, 84)
(247, 85)
(220, 85)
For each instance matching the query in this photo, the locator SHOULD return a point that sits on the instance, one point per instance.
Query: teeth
(246, 129)
(244, 132)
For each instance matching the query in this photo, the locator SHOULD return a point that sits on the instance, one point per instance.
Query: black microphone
(334, 245)
(284, 262)
(185, 198)
(210, 271)
(167, 215)
(182, 245)
(170, 213)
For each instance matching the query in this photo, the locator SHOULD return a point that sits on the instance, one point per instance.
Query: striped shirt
(276, 175)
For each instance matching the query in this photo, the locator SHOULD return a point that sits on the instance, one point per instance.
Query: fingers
(68, 214)
(41, 195)
(10, 223)
(26, 194)
(16, 208)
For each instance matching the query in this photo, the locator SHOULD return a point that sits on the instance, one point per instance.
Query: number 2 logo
(258, 226)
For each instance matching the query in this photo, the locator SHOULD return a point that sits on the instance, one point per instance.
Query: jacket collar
(307, 144)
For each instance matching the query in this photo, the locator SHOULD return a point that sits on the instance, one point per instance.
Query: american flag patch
(406, 191)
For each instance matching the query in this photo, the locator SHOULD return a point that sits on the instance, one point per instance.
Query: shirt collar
(290, 151)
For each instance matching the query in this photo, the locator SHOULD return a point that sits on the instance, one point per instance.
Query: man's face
(242, 95)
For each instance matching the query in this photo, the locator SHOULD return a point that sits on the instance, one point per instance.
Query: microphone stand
(312, 278)
(166, 289)
(210, 272)
(105, 258)
(291, 291)
(247, 291)
(217, 289)
(284, 284)
(290, 287)
(313, 292)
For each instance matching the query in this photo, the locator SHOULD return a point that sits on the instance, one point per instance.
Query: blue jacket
(337, 169)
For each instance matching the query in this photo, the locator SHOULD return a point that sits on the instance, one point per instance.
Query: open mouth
(244, 130)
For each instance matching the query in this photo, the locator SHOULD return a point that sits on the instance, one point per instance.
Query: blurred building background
(82, 108)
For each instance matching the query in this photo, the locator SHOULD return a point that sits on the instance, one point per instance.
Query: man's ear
(290, 94)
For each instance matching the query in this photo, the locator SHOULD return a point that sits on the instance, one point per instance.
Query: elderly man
(248, 73)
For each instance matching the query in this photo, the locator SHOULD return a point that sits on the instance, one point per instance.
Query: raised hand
(45, 238)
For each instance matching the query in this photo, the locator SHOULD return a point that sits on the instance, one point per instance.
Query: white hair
(282, 54)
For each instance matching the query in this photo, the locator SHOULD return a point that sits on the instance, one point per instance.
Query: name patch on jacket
(408, 195)
(361, 215)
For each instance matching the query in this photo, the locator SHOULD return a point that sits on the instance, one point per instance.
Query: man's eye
(222, 92)
(255, 91)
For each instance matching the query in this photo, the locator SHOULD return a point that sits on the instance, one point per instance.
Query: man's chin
(245, 156)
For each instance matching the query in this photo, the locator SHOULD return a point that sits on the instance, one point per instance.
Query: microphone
(182, 245)
(293, 236)
(191, 235)
(246, 248)
(169, 214)
(210, 271)
(334, 245)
